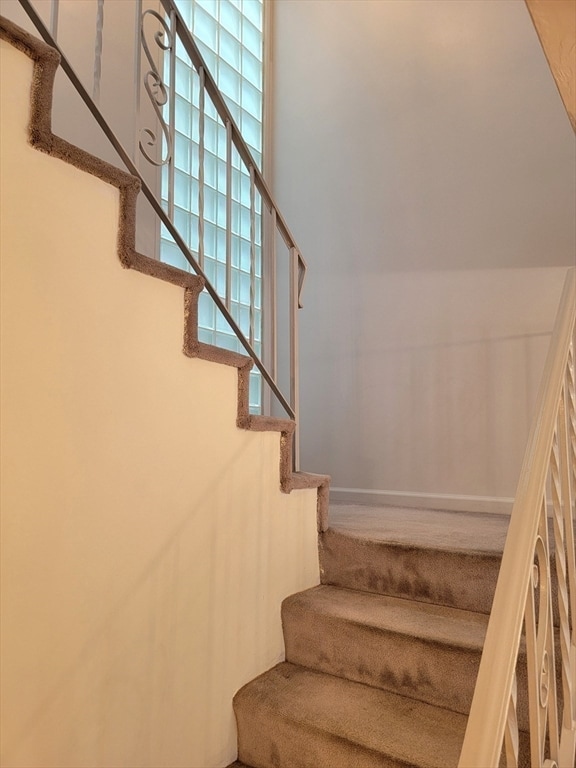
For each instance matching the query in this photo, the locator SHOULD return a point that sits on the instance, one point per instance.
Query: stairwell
(382, 657)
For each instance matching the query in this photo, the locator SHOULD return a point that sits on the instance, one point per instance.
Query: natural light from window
(229, 34)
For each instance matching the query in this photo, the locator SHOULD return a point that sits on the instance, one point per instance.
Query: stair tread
(405, 730)
(434, 529)
(459, 578)
(436, 623)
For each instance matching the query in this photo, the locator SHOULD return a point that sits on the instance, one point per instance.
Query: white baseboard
(449, 502)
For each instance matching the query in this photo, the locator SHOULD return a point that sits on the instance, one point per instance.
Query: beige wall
(425, 164)
(145, 544)
(118, 102)
(555, 22)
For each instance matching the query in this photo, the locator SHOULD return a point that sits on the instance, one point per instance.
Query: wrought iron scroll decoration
(540, 654)
(156, 88)
(559, 472)
(541, 539)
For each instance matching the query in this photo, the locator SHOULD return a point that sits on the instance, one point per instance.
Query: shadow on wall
(431, 384)
(152, 624)
(425, 162)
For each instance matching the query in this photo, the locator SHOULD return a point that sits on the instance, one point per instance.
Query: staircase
(382, 657)
(146, 591)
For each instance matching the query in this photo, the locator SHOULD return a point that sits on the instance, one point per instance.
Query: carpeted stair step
(427, 573)
(427, 652)
(291, 717)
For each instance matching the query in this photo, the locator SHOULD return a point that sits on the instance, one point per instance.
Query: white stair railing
(532, 595)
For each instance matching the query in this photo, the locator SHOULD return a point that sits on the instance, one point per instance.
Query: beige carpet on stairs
(382, 657)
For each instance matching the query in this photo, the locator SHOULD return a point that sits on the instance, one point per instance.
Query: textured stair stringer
(465, 580)
(294, 718)
(46, 61)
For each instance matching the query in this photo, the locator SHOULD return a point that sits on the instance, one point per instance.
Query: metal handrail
(226, 116)
(551, 451)
(298, 266)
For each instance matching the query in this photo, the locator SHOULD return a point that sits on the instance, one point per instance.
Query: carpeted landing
(382, 657)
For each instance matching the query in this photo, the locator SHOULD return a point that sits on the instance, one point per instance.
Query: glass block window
(229, 34)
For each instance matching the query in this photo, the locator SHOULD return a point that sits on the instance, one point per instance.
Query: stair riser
(431, 672)
(427, 671)
(291, 717)
(292, 745)
(458, 580)
(268, 738)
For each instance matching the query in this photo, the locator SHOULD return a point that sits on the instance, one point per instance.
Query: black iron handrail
(219, 103)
